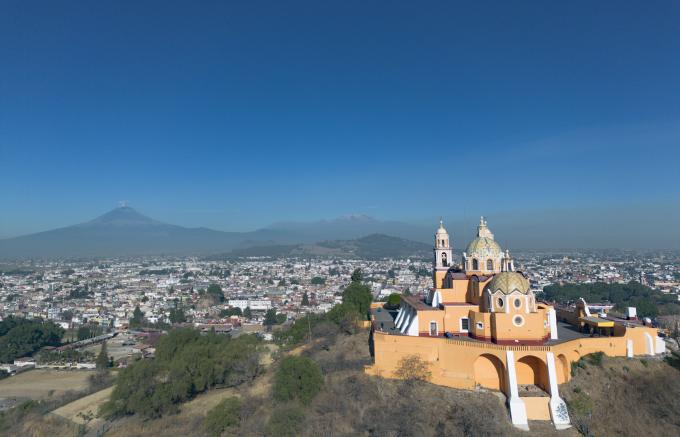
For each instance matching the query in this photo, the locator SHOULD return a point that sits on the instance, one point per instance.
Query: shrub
(413, 368)
(581, 404)
(393, 301)
(285, 421)
(580, 364)
(298, 378)
(225, 415)
(596, 359)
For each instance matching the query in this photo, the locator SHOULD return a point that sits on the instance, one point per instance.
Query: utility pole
(309, 325)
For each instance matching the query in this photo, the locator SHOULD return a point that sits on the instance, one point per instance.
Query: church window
(518, 302)
(518, 321)
(475, 264)
(489, 264)
(480, 325)
(464, 324)
(433, 329)
(499, 302)
(445, 261)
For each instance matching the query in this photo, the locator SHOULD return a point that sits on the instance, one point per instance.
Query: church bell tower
(443, 255)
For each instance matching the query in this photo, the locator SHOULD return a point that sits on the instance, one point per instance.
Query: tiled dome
(508, 283)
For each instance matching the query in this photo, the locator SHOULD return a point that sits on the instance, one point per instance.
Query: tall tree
(247, 313)
(137, 317)
(270, 317)
(357, 275)
(305, 300)
(103, 359)
(177, 316)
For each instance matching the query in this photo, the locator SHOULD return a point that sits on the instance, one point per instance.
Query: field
(43, 383)
(84, 407)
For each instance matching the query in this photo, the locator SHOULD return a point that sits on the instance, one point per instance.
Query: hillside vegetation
(186, 363)
(20, 337)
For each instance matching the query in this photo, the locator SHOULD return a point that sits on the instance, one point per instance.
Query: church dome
(508, 282)
(483, 248)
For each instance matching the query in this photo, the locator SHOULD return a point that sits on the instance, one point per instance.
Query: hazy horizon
(596, 228)
(235, 116)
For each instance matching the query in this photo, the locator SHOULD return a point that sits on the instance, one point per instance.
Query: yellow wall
(503, 329)
(463, 364)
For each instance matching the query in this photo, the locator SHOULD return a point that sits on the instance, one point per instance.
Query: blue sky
(233, 115)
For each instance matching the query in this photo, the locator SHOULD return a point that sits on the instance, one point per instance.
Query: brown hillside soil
(624, 397)
(616, 397)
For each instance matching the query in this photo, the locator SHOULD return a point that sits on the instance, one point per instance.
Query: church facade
(481, 326)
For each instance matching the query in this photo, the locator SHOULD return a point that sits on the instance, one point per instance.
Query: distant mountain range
(374, 246)
(126, 232)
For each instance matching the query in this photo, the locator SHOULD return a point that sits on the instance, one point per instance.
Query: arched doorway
(562, 369)
(489, 372)
(532, 370)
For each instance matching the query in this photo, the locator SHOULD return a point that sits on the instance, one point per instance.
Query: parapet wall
(466, 364)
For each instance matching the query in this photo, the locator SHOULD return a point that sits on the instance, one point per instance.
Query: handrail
(482, 345)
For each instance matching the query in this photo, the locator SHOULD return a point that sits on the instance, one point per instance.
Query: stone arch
(489, 265)
(489, 372)
(475, 264)
(532, 370)
(562, 369)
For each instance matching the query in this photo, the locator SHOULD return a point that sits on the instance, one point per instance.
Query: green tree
(137, 319)
(20, 337)
(393, 301)
(305, 300)
(177, 316)
(270, 317)
(318, 280)
(215, 292)
(103, 359)
(84, 332)
(236, 311)
(186, 363)
(247, 313)
(285, 421)
(298, 378)
(357, 296)
(224, 416)
(357, 275)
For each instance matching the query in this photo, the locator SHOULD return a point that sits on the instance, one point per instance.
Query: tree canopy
(298, 378)
(137, 319)
(20, 337)
(318, 280)
(357, 275)
(186, 363)
(215, 292)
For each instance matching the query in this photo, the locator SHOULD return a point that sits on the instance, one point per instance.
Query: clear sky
(233, 115)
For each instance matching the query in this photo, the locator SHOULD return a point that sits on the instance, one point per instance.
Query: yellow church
(481, 326)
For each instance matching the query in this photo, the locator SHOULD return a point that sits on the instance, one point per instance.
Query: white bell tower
(443, 254)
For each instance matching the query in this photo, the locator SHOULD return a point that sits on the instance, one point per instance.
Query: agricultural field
(43, 383)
